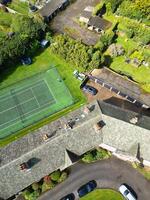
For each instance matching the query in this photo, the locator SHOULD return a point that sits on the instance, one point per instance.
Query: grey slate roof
(51, 7)
(86, 14)
(125, 115)
(57, 152)
(47, 156)
(98, 22)
(121, 134)
(126, 86)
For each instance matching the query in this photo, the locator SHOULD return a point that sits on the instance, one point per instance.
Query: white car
(126, 193)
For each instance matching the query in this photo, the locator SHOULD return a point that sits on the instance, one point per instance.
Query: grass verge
(103, 194)
(144, 171)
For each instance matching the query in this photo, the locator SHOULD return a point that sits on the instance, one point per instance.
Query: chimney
(134, 120)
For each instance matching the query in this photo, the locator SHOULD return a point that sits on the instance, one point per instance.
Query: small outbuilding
(50, 10)
(98, 24)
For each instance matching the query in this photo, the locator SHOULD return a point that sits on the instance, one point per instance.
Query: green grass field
(103, 194)
(19, 6)
(31, 100)
(42, 62)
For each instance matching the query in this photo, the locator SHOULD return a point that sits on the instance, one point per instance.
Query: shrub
(63, 177)
(99, 46)
(47, 179)
(35, 186)
(107, 38)
(88, 157)
(55, 175)
(102, 154)
(73, 51)
(47, 186)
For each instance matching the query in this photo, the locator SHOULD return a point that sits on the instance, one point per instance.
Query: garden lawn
(103, 194)
(139, 74)
(19, 6)
(5, 21)
(42, 62)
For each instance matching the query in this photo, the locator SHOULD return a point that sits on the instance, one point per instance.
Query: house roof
(51, 7)
(49, 155)
(86, 14)
(123, 135)
(64, 145)
(126, 86)
(98, 22)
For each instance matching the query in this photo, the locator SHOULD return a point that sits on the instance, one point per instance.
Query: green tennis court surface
(31, 100)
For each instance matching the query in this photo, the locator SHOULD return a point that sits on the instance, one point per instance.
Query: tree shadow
(108, 60)
(11, 66)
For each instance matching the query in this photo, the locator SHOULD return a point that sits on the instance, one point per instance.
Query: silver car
(126, 192)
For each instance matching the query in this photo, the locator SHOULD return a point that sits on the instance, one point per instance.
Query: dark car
(68, 197)
(88, 187)
(26, 60)
(89, 89)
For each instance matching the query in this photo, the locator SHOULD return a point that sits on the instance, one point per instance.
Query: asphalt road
(107, 173)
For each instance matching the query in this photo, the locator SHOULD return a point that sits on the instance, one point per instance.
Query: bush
(55, 175)
(73, 51)
(88, 157)
(107, 38)
(47, 186)
(96, 154)
(99, 46)
(63, 177)
(102, 154)
(35, 186)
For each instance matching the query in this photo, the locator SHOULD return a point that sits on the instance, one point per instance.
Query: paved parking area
(112, 98)
(66, 22)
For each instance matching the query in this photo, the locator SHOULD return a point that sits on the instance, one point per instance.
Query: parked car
(26, 60)
(126, 193)
(68, 197)
(78, 75)
(88, 187)
(89, 89)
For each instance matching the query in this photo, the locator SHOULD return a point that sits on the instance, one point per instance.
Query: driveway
(66, 22)
(108, 174)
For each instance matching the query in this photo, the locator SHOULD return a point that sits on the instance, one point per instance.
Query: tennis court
(31, 100)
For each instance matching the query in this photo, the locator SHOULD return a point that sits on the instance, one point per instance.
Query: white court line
(29, 88)
(16, 105)
(35, 97)
(18, 113)
(54, 99)
(19, 92)
(24, 114)
(50, 91)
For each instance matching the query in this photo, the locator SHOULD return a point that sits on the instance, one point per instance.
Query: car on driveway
(68, 197)
(88, 187)
(89, 89)
(126, 192)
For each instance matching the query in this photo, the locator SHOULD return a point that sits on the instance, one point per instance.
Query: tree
(143, 6)
(26, 33)
(55, 175)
